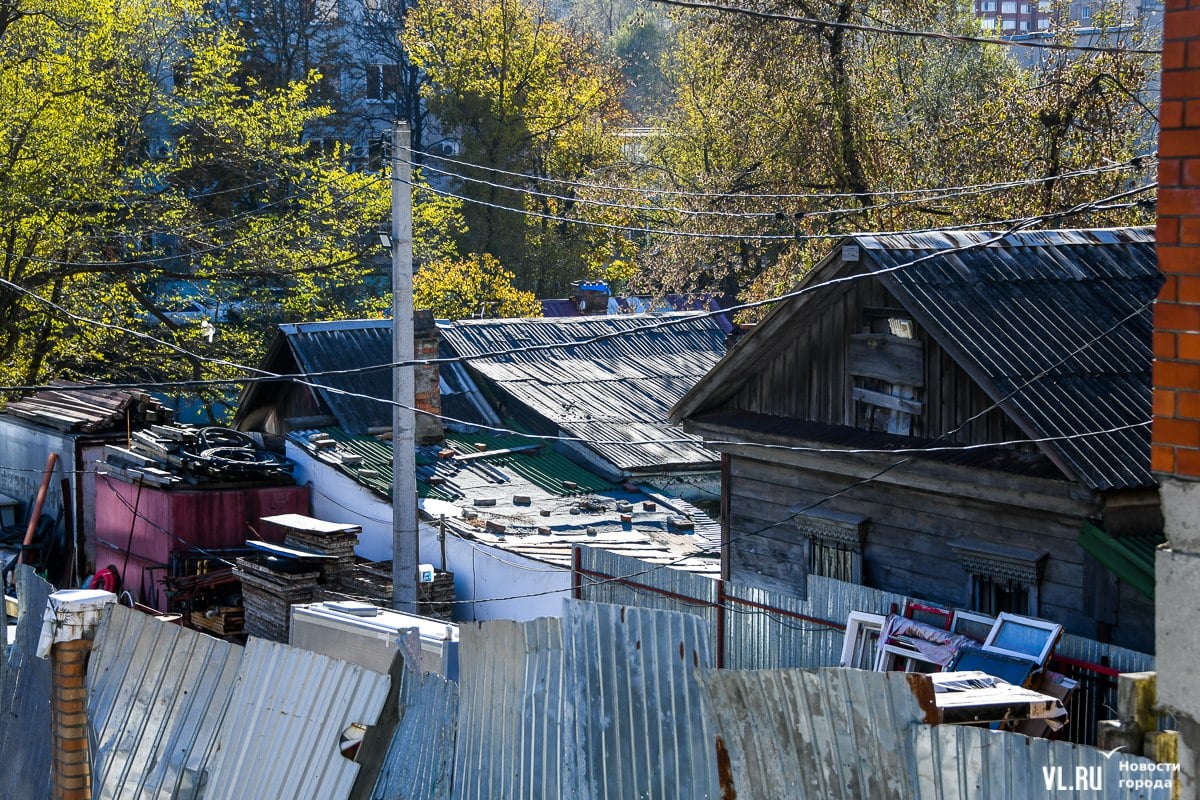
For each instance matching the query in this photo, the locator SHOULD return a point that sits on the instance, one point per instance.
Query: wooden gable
(851, 355)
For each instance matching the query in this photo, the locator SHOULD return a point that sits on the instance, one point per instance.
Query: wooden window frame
(834, 529)
(1007, 562)
(860, 626)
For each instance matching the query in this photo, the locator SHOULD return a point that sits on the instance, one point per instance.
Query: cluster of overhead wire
(313, 379)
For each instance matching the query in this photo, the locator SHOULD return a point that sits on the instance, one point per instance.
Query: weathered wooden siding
(808, 379)
(907, 546)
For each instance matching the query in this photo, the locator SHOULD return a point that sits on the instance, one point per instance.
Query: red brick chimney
(1175, 453)
(72, 617)
(427, 383)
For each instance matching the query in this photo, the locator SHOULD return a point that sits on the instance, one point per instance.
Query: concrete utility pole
(405, 541)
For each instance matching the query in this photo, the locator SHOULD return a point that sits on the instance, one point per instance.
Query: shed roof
(81, 408)
(610, 380)
(1054, 325)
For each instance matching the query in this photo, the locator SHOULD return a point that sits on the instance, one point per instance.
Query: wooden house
(959, 416)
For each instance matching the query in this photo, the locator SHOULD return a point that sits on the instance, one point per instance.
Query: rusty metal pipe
(36, 512)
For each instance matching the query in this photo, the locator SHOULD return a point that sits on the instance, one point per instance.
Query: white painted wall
(23, 453)
(489, 583)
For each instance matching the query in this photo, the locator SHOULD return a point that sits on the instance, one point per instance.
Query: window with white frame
(1085, 12)
(1043, 24)
(835, 542)
(1000, 578)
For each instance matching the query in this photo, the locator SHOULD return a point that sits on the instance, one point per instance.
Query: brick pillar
(427, 384)
(1175, 453)
(69, 626)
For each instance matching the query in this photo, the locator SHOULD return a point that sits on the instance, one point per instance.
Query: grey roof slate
(614, 393)
(1057, 324)
(361, 343)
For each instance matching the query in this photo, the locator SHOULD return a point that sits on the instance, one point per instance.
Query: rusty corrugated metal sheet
(822, 734)
(156, 695)
(420, 759)
(25, 696)
(280, 736)
(838, 733)
(510, 710)
(638, 726)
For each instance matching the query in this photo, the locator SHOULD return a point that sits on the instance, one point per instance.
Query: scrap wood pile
(270, 586)
(82, 408)
(172, 455)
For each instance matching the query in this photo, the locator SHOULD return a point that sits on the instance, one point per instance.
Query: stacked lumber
(81, 408)
(173, 455)
(220, 620)
(270, 586)
(436, 598)
(337, 545)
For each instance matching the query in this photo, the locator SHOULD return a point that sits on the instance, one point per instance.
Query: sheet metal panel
(1056, 301)
(510, 724)
(156, 695)
(280, 736)
(25, 695)
(956, 762)
(420, 758)
(638, 725)
(826, 734)
(756, 638)
(614, 388)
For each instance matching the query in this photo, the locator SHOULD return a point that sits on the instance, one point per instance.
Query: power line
(903, 32)
(1137, 162)
(1017, 226)
(741, 237)
(928, 197)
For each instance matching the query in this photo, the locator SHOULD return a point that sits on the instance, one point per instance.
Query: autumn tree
(857, 130)
(475, 286)
(531, 100)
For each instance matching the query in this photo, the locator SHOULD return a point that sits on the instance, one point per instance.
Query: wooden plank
(888, 401)
(887, 358)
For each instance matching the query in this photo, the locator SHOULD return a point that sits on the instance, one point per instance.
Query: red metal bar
(634, 584)
(1085, 665)
(577, 571)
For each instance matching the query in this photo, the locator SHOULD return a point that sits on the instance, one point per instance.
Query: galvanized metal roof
(1056, 323)
(156, 695)
(280, 735)
(420, 759)
(604, 704)
(614, 393)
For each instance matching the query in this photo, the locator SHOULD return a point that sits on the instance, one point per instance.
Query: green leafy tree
(526, 97)
(139, 168)
(841, 123)
(475, 286)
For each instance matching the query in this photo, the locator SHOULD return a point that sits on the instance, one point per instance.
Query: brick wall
(426, 383)
(1176, 431)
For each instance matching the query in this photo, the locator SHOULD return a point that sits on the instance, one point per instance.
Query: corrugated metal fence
(25, 696)
(759, 629)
